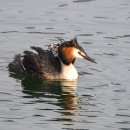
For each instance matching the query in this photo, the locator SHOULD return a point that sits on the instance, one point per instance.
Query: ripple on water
(30, 27)
(78, 1)
(100, 85)
(95, 69)
(111, 37)
(62, 5)
(124, 115)
(111, 54)
(10, 32)
(55, 33)
(85, 34)
(124, 122)
(101, 17)
(84, 73)
(115, 83)
(49, 28)
(123, 36)
(87, 43)
(119, 91)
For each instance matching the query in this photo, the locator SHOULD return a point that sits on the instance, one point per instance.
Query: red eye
(79, 53)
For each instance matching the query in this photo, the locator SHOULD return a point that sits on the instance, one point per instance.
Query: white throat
(69, 72)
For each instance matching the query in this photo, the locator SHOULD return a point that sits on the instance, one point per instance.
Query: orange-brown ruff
(67, 54)
(44, 64)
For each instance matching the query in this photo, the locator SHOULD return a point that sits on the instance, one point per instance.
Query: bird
(55, 63)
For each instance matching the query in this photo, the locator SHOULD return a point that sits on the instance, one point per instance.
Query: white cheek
(76, 53)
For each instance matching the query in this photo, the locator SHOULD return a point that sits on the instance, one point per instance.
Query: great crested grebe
(47, 64)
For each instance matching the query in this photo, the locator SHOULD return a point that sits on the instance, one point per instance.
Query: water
(100, 100)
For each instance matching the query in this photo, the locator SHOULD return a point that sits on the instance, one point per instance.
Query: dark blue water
(100, 100)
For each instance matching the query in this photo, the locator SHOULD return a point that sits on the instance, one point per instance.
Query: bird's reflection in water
(63, 91)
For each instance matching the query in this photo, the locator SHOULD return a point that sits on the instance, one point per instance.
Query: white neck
(68, 72)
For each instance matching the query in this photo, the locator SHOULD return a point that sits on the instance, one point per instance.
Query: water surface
(100, 98)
